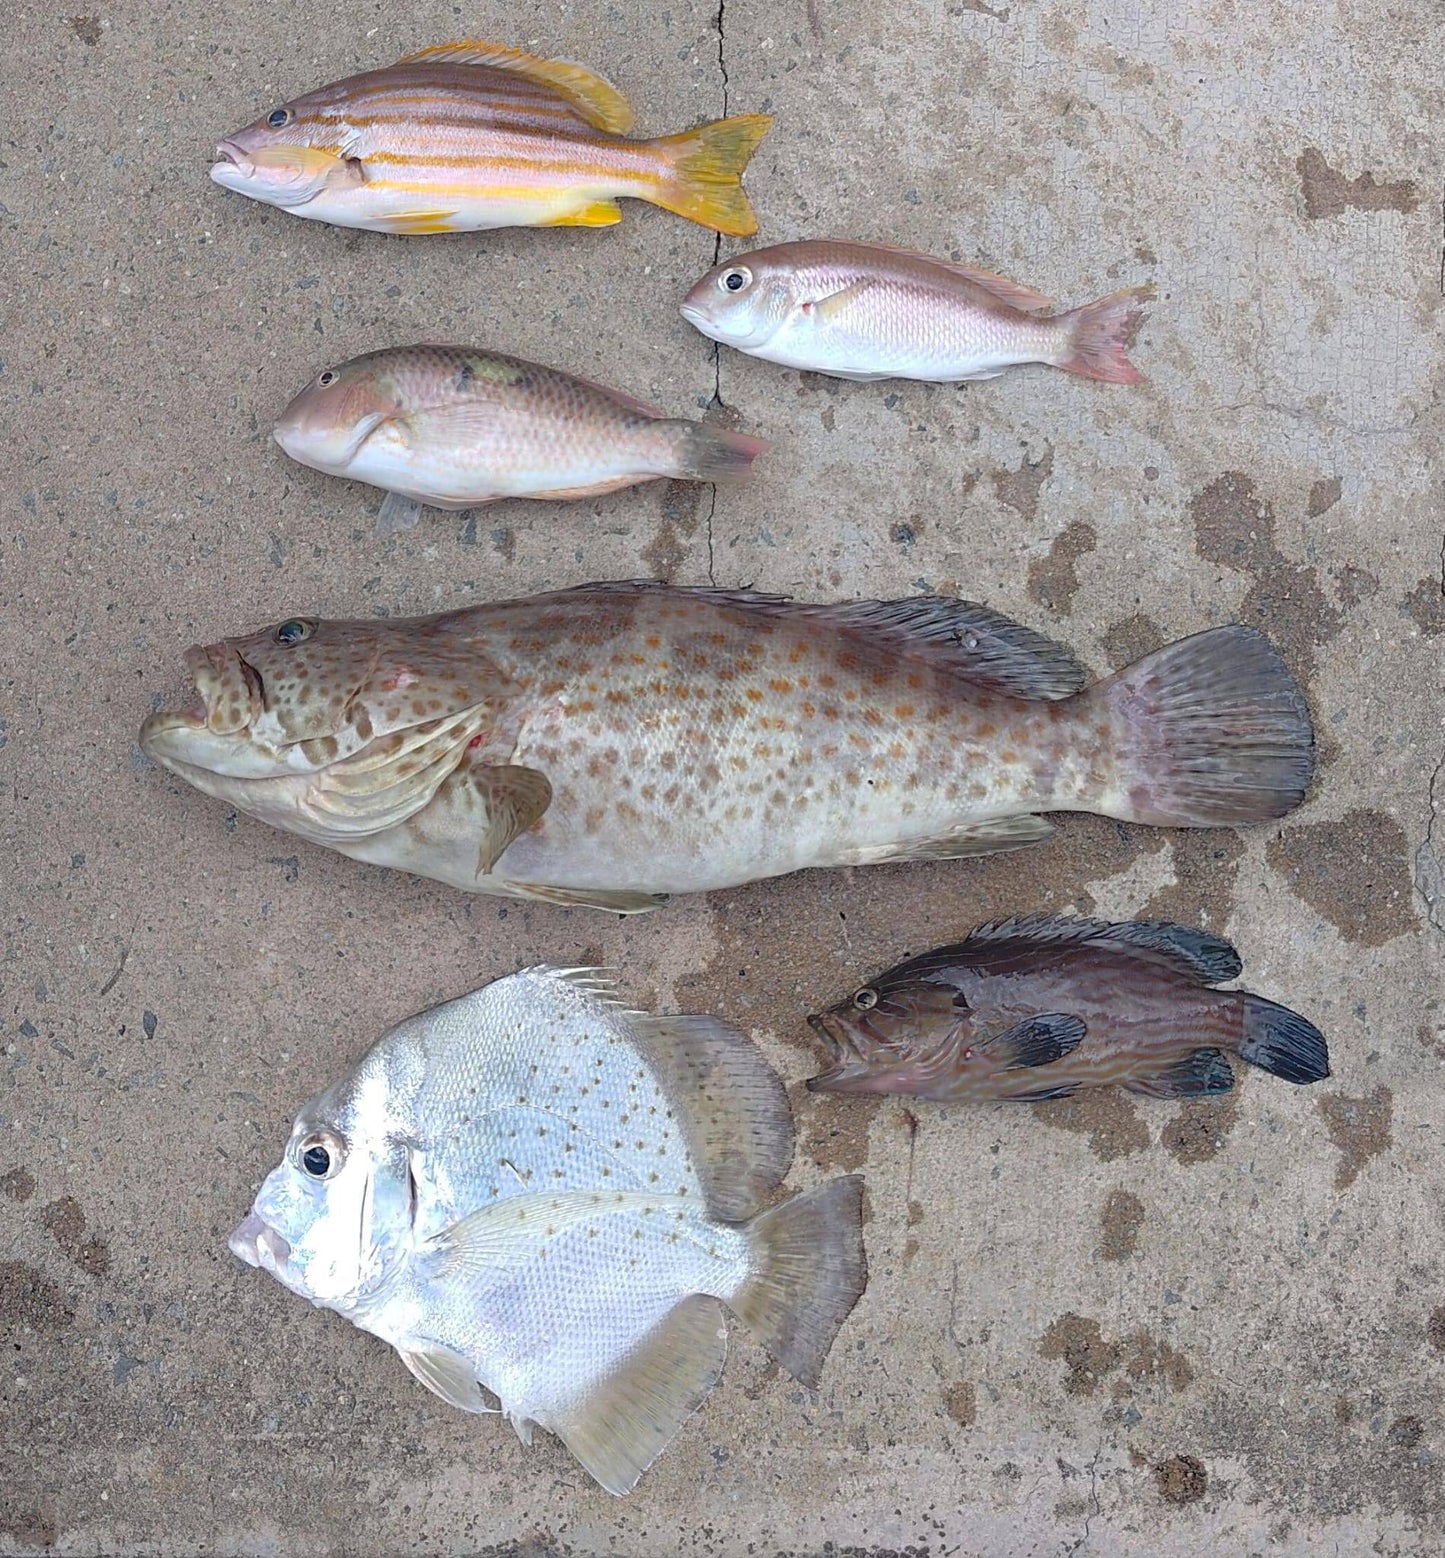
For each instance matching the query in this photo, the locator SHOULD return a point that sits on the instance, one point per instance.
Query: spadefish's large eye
(865, 999)
(735, 279)
(321, 1154)
(279, 118)
(329, 377)
(296, 631)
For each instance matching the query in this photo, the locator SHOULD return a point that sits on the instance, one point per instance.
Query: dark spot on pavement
(18, 1184)
(1355, 872)
(1131, 640)
(149, 1022)
(504, 542)
(1324, 494)
(1020, 489)
(32, 1529)
(1123, 1218)
(1327, 192)
(1435, 1329)
(1080, 1344)
(1149, 1358)
(66, 1222)
(1426, 607)
(1054, 580)
(1235, 528)
(27, 1297)
(1353, 585)
(1206, 862)
(1359, 1130)
(1199, 1130)
(665, 553)
(1406, 1432)
(1181, 1479)
(86, 28)
(1103, 1114)
(832, 1129)
(961, 1405)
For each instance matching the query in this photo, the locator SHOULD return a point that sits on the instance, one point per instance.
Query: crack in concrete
(719, 22)
(1429, 867)
(1079, 1546)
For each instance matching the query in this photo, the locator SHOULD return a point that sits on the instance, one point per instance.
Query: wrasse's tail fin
(708, 453)
(703, 181)
(1282, 1042)
(808, 1272)
(1099, 336)
(1210, 732)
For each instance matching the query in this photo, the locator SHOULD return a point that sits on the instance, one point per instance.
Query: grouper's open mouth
(850, 1067)
(228, 697)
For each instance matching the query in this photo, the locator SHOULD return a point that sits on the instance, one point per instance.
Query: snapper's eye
(736, 279)
(321, 1154)
(865, 999)
(279, 118)
(327, 378)
(296, 631)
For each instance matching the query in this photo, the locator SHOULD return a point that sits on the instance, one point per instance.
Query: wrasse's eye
(279, 118)
(327, 378)
(736, 279)
(865, 999)
(321, 1154)
(296, 631)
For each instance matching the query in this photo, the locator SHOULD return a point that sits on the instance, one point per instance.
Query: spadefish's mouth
(259, 1245)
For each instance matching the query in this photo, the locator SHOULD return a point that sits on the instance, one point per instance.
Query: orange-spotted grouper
(614, 743)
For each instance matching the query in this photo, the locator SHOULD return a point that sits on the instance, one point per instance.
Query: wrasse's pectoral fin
(419, 221)
(1195, 1075)
(515, 799)
(397, 513)
(1037, 1041)
(600, 213)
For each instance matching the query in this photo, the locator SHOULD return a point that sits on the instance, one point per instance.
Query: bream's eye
(736, 279)
(296, 631)
(865, 1000)
(321, 1154)
(279, 118)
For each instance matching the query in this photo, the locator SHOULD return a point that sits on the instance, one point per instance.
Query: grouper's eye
(321, 1154)
(296, 631)
(279, 118)
(865, 999)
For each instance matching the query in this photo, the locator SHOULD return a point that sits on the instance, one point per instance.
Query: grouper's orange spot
(755, 694)
(827, 681)
(1008, 755)
(653, 641)
(780, 684)
(809, 710)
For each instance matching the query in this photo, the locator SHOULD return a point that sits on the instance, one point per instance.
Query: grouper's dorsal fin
(1016, 943)
(596, 100)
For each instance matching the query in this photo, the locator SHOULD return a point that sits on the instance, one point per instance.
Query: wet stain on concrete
(1019, 489)
(1327, 192)
(29, 1298)
(1053, 580)
(832, 1129)
(66, 1222)
(1132, 639)
(86, 28)
(1235, 528)
(665, 553)
(1359, 1129)
(1206, 863)
(1122, 1219)
(1324, 494)
(18, 1184)
(1089, 1357)
(1435, 1329)
(1353, 585)
(1355, 872)
(960, 1402)
(1103, 1114)
(1181, 1479)
(1198, 1132)
(1425, 606)
(1147, 1358)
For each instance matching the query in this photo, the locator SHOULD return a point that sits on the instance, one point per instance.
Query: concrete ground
(1107, 1327)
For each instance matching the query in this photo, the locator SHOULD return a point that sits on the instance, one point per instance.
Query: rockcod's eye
(327, 378)
(321, 1154)
(865, 1000)
(279, 118)
(296, 631)
(736, 279)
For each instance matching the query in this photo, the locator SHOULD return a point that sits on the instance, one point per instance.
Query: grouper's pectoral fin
(972, 838)
(515, 800)
(625, 1421)
(1196, 1075)
(590, 898)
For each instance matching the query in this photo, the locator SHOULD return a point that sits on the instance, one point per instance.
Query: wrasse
(466, 136)
(1039, 1007)
(453, 427)
(870, 311)
(613, 743)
